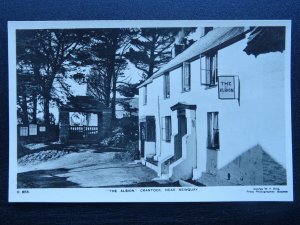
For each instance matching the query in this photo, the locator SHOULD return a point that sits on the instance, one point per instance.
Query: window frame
(166, 86)
(145, 95)
(186, 87)
(211, 61)
(213, 134)
(166, 128)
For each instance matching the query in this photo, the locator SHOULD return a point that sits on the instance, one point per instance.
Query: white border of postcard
(161, 194)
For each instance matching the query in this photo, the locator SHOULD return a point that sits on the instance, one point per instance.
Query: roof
(183, 105)
(84, 104)
(216, 39)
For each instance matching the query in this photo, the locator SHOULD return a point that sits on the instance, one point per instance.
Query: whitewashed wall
(258, 120)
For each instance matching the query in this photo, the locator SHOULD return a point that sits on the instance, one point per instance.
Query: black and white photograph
(130, 111)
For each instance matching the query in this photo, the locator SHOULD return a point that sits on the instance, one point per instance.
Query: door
(142, 137)
(182, 130)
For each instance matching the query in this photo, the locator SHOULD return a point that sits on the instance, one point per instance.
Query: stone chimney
(177, 49)
(178, 44)
(204, 30)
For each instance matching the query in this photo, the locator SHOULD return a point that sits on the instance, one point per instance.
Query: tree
(128, 89)
(105, 56)
(152, 48)
(27, 97)
(46, 55)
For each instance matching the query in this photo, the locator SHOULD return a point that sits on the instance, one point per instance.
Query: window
(186, 76)
(209, 69)
(166, 128)
(213, 130)
(23, 131)
(145, 96)
(167, 85)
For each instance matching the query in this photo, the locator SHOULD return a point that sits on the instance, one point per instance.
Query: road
(85, 168)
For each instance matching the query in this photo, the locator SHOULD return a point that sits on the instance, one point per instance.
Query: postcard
(150, 111)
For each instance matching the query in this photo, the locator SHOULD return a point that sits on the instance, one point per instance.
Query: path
(86, 168)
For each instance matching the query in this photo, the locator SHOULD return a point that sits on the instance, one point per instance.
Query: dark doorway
(142, 137)
(182, 130)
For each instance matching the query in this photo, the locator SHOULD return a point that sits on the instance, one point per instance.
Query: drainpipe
(159, 123)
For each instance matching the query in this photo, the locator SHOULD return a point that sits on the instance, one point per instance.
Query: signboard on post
(32, 129)
(226, 87)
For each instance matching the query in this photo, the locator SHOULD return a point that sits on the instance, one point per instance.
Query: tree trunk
(107, 90)
(24, 109)
(113, 101)
(151, 64)
(114, 76)
(47, 111)
(34, 108)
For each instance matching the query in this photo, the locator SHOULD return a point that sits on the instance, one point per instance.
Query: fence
(83, 132)
(38, 132)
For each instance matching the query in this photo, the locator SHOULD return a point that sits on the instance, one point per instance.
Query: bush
(124, 131)
(132, 148)
(131, 153)
(116, 138)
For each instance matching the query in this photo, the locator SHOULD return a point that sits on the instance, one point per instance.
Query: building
(215, 112)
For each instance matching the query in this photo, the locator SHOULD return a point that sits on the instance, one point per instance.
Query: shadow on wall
(254, 167)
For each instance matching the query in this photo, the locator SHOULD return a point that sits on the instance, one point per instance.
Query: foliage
(131, 153)
(115, 139)
(45, 56)
(105, 56)
(124, 131)
(152, 48)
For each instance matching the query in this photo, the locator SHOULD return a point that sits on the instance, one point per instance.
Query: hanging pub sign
(227, 87)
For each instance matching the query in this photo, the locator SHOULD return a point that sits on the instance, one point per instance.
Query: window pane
(210, 70)
(163, 130)
(186, 76)
(167, 85)
(168, 128)
(145, 95)
(213, 130)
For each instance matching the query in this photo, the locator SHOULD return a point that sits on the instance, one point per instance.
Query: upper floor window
(167, 85)
(209, 69)
(145, 95)
(166, 128)
(186, 76)
(213, 130)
